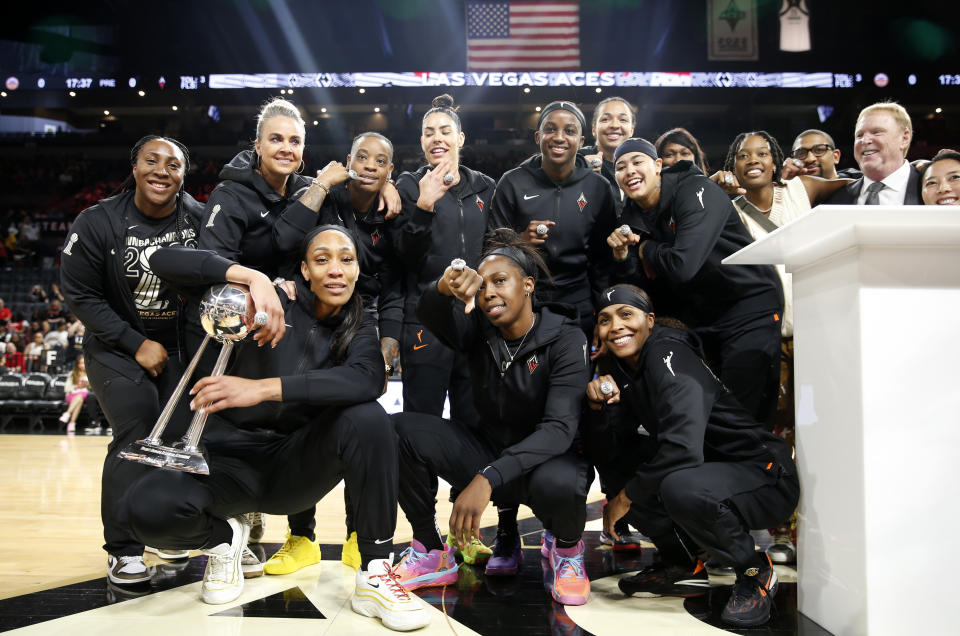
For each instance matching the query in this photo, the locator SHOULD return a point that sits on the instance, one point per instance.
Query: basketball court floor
(52, 573)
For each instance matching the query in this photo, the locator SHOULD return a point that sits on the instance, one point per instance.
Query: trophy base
(159, 456)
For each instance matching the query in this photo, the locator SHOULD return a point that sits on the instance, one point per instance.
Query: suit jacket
(849, 194)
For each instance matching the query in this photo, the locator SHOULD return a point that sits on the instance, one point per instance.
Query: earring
(302, 166)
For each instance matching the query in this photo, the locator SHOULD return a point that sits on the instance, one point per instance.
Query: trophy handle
(191, 440)
(157, 431)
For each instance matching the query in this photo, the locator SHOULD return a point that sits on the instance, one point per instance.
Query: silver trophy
(224, 316)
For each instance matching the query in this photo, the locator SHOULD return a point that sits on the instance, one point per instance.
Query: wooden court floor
(50, 513)
(52, 569)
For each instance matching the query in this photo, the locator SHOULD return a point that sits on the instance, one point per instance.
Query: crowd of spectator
(46, 341)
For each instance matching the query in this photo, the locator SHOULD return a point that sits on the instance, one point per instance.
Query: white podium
(876, 293)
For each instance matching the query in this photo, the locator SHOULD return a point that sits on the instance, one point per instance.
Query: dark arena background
(83, 81)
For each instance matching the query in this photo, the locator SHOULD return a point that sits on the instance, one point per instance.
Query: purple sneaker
(506, 557)
(546, 543)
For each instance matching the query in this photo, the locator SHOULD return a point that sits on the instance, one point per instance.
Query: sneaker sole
(433, 579)
(277, 570)
(251, 572)
(406, 621)
(129, 581)
(178, 555)
(570, 600)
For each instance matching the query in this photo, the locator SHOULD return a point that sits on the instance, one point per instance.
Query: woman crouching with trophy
(286, 423)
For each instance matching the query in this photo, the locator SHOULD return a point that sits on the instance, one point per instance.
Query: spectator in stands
(941, 180)
(5, 313)
(13, 359)
(37, 294)
(883, 135)
(76, 389)
(679, 144)
(55, 314)
(34, 352)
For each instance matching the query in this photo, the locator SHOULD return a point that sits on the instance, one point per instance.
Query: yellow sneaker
(351, 552)
(475, 553)
(296, 553)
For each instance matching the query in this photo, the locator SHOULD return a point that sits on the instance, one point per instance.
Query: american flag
(503, 36)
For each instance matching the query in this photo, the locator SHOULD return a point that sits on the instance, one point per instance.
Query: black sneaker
(752, 596)
(661, 579)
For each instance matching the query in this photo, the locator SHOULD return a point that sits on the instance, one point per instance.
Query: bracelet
(325, 188)
(388, 368)
(391, 182)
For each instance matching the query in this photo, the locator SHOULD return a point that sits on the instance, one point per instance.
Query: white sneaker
(223, 578)
(169, 555)
(379, 594)
(127, 570)
(250, 564)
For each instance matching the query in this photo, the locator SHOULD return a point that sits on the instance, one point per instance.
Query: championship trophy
(223, 315)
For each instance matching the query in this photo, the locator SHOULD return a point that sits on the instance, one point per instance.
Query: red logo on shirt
(375, 236)
(480, 203)
(582, 201)
(532, 363)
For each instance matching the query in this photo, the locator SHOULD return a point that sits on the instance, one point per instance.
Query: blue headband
(635, 144)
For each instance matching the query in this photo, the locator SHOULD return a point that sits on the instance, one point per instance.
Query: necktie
(873, 193)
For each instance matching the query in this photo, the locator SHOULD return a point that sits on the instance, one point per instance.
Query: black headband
(567, 106)
(312, 234)
(620, 295)
(635, 144)
(516, 255)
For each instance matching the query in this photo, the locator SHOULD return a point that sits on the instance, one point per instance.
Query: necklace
(505, 364)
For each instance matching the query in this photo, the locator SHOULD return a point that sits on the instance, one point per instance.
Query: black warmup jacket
(584, 209)
(380, 271)
(691, 416)
(94, 284)
(532, 412)
(689, 232)
(427, 241)
(606, 169)
(302, 359)
(244, 214)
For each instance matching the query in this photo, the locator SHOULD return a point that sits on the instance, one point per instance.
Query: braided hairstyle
(130, 183)
(778, 157)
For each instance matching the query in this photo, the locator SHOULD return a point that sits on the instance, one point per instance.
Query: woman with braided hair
(134, 346)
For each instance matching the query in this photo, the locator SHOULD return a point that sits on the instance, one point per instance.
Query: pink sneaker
(570, 583)
(419, 568)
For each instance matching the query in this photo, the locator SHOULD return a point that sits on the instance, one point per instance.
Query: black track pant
(717, 504)
(745, 354)
(431, 370)
(556, 490)
(277, 473)
(132, 409)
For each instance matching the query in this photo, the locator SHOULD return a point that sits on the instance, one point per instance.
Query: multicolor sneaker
(752, 596)
(350, 555)
(661, 579)
(507, 556)
(380, 594)
(296, 553)
(421, 568)
(570, 583)
(475, 553)
(546, 544)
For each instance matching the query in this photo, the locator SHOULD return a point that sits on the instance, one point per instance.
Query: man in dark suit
(882, 137)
